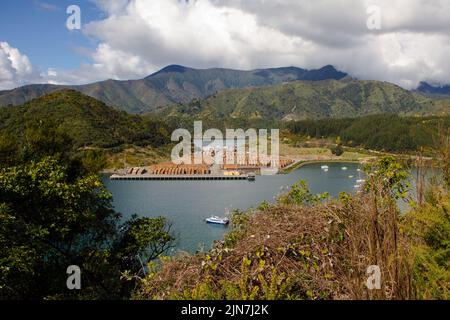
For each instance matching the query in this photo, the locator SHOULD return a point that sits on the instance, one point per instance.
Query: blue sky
(38, 28)
(130, 39)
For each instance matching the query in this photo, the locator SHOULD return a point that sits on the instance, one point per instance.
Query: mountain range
(300, 100)
(435, 91)
(287, 93)
(172, 84)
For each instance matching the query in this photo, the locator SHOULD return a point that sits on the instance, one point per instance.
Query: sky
(400, 41)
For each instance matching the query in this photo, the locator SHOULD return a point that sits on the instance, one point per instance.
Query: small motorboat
(217, 220)
(360, 180)
(344, 168)
(350, 177)
(324, 167)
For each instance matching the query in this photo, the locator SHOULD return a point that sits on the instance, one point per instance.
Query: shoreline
(296, 165)
(299, 164)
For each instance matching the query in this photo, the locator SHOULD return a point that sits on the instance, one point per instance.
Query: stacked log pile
(180, 169)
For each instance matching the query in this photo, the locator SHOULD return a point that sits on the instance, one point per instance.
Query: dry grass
(296, 252)
(319, 153)
(136, 156)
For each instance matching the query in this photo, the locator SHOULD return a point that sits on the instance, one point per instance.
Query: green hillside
(86, 121)
(308, 100)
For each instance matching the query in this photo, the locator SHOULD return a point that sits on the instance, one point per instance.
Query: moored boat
(217, 220)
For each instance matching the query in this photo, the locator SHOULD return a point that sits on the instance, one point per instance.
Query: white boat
(344, 168)
(357, 186)
(217, 220)
(360, 180)
(326, 170)
(350, 177)
(324, 167)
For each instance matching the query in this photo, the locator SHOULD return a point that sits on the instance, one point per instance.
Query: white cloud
(151, 34)
(15, 68)
(138, 37)
(403, 58)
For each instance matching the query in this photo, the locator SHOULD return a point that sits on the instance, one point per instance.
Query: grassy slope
(134, 156)
(302, 100)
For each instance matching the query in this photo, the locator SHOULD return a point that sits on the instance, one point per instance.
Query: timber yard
(243, 168)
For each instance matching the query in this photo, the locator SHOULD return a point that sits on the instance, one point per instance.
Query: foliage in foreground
(428, 227)
(55, 212)
(305, 248)
(48, 222)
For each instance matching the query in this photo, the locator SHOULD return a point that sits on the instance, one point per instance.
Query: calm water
(187, 203)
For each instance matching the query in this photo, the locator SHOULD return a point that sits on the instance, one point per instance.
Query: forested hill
(309, 100)
(173, 84)
(86, 121)
(384, 132)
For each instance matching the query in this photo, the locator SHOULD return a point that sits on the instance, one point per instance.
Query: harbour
(187, 203)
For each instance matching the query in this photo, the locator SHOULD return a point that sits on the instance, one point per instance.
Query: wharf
(178, 177)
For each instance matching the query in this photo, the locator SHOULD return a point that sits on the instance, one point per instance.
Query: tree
(48, 222)
(442, 151)
(299, 194)
(92, 160)
(8, 149)
(45, 138)
(337, 150)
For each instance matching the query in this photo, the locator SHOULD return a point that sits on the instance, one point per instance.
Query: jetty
(202, 177)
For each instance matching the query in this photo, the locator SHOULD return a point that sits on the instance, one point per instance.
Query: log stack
(179, 169)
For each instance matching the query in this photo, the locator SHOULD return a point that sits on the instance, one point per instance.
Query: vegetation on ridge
(386, 132)
(87, 121)
(306, 100)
